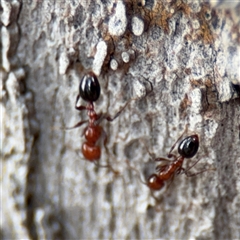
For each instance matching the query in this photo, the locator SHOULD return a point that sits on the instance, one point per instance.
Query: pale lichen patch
(137, 26)
(100, 55)
(118, 21)
(114, 64)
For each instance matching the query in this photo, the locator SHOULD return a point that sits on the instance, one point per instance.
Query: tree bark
(178, 66)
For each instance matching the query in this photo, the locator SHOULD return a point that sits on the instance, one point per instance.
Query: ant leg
(161, 168)
(77, 125)
(99, 118)
(173, 146)
(80, 108)
(110, 119)
(144, 142)
(106, 166)
(77, 98)
(170, 155)
(104, 137)
(188, 174)
(193, 165)
(137, 171)
(97, 164)
(164, 159)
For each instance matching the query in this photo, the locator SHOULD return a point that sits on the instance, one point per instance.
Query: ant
(89, 91)
(187, 148)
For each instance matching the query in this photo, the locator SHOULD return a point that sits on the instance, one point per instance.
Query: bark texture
(180, 63)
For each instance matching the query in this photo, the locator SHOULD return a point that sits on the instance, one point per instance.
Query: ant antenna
(136, 170)
(151, 154)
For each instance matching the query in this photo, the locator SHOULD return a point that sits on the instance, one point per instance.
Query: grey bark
(187, 53)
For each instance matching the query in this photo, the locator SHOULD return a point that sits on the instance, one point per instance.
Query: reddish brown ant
(89, 91)
(187, 148)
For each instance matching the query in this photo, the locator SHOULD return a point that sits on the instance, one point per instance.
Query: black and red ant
(89, 91)
(187, 148)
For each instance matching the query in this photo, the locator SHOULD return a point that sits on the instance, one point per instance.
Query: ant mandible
(89, 91)
(187, 148)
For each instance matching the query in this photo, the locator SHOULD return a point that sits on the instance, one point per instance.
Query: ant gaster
(89, 91)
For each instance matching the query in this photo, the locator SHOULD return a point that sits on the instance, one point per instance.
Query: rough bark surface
(180, 63)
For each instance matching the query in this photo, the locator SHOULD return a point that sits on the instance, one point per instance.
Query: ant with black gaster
(89, 91)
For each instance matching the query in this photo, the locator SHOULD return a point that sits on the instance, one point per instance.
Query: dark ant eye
(188, 147)
(89, 88)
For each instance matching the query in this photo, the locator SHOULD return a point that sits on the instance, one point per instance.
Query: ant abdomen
(91, 152)
(154, 182)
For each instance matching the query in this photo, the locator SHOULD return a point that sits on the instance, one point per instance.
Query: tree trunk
(178, 66)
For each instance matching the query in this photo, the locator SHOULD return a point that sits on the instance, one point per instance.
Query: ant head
(188, 147)
(154, 183)
(89, 88)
